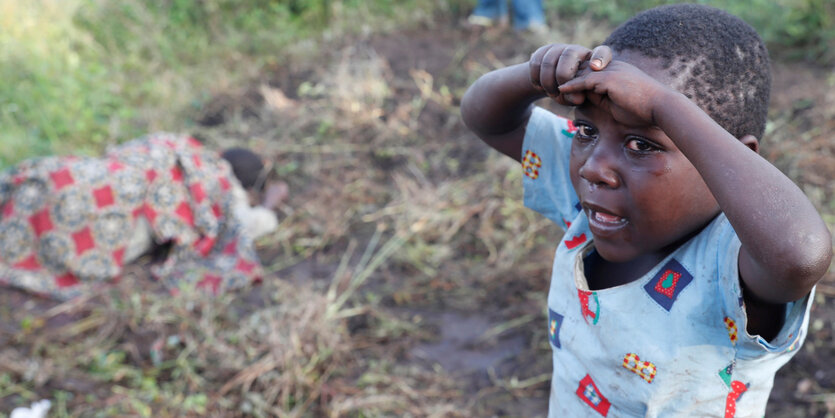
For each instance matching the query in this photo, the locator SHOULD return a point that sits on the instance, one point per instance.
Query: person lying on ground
(69, 224)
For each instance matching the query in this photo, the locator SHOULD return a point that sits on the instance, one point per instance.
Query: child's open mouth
(602, 222)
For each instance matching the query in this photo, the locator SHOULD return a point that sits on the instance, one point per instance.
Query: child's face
(641, 194)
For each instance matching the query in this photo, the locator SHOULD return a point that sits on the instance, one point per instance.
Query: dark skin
(641, 145)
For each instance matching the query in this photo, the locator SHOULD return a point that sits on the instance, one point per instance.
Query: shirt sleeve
(749, 346)
(545, 153)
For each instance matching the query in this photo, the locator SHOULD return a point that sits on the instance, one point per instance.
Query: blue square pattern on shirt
(554, 324)
(668, 283)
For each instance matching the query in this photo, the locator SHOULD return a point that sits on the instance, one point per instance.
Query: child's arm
(786, 247)
(498, 105)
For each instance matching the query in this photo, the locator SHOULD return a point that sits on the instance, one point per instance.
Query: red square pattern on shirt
(184, 212)
(83, 240)
(231, 248)
(8, 209)
(61, 178)
(66, 280)
(176, 174)
(119, 256)
(245, 266)
(197, 192)
(590, 394)
(211, 282)
(41, 222)
(115, 166)
(224, 184)
(30, 263)
(104, 196)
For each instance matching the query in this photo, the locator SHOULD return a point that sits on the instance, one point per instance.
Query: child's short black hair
(720, 61)
(246, 165)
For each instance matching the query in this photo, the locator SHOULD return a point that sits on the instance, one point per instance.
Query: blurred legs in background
(527, 14)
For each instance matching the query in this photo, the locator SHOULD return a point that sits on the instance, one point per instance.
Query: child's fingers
(570, 99)
(569, 62)
(578, 84)
(600, 57)
(535, 64)
(550, 62)
(552, 65)
(570, 66)
(576, 89)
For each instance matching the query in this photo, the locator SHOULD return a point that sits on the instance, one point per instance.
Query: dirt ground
(475, 305)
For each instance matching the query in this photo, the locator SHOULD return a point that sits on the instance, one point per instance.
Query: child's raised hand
(555, 64)
(629, 94)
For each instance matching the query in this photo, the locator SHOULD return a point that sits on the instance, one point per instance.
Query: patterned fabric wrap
(65, 222)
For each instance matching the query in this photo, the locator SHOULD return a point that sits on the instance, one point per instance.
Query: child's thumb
(601, 56)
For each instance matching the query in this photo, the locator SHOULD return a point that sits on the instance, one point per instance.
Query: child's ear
(752, 142)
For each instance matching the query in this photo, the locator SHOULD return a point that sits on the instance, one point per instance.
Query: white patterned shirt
(672, 343)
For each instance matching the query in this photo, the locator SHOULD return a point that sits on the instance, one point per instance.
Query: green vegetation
(793, 28)
(76, 75)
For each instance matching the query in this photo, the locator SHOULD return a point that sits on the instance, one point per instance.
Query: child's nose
(599, 168)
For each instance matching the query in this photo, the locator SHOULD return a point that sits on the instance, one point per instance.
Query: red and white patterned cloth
(66, 222)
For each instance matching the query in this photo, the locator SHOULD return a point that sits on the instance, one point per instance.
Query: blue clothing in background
(525, 12)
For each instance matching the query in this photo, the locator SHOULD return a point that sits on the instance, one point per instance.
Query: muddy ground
(366, 132)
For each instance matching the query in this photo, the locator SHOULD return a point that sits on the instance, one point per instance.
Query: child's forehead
(600, 117)
(654, 67)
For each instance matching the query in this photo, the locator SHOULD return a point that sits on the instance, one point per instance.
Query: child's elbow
(809, 263)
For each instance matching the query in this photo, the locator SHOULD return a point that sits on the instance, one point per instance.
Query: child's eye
(640, 145)
(585, 131)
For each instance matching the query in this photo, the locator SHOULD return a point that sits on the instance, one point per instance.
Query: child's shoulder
(714, 244)
(545, 117)
(546, 129)
(711, 257)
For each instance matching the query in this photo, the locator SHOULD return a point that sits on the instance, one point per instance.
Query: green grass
(76, 75)
(797, 29)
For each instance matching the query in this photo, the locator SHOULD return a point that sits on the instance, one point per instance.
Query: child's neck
(603, 274)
